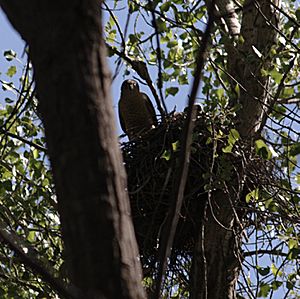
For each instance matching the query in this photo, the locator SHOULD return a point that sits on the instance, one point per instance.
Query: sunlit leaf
(12, 70)
(262, 149)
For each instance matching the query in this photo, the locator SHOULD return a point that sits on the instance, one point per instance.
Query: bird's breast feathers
(135, 113)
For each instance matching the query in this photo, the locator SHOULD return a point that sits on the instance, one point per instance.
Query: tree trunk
(216, 261)
(215, 267)
(73, 83)
(248, 59)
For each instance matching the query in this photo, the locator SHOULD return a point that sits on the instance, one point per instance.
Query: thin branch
(33, 144)
(297, 24)
(269, 23)
(30, 257)
(141, 69)
(245, 90)
(167, 236)
(278, 91)
(117, 24)
(160, 80)
(291, 100)
(265, 251)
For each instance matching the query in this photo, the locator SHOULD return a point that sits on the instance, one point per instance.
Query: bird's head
(130, 86)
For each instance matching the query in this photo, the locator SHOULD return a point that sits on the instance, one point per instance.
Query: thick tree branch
(73, 82)
(226, 12)
(245, 63)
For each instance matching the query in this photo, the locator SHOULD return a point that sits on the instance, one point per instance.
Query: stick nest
(151, 162)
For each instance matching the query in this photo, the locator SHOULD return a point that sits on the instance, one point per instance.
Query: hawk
(136, 112)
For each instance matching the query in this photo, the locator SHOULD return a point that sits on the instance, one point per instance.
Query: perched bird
(136, 112)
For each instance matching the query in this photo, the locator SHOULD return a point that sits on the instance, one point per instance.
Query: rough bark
(226, 16)
(215, 266)
(73, 83)
(249, 58)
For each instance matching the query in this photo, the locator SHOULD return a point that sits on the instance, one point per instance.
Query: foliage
(27, 197)
(273, 223)
(271, 244)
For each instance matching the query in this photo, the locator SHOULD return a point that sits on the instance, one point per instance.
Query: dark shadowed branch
(30, 258)
(168, 233)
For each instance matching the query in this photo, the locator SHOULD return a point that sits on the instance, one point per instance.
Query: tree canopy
(238, 154)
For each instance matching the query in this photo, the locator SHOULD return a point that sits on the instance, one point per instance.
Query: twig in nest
(167, 237)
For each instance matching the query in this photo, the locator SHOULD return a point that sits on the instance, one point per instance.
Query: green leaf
(165, 6)
(183, 79)
(164, 40)
(175, 146)
(7, 185)
(183, 35)
(172, 44)
(31, 236)
(289, 285)
(227, 149)
(262, 149)
(263, 271)
(112, 35)
(276, 284)
(294, 254)
(133, 38)
(264, 290)
(8, 100)
(220, 93)
(166, 155)
(292, 243)
(133, 6)
(287, 92)
(12, 70)
(297, 13)
(295, 149)
(233, 136)
(278, 112)
(253, 195)
(36, 153)
(237, 89)
(161, 25)
(276, 76)
(275, 270)
(172, 91)
(10, 55)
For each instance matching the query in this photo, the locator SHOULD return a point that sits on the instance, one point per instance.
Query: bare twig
(265, 251)
(288, 101)
(33, 144)
(141, 69)
(278, 91)
(160, 81)
(167, 236)
(117, 24)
